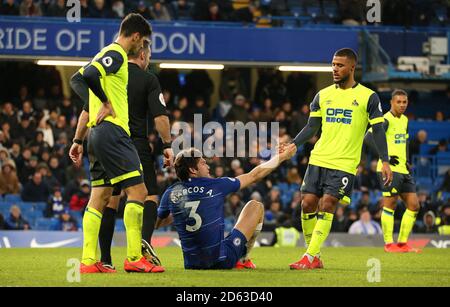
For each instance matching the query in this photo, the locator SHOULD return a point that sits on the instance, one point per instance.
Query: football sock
(251, 242)
(106, 234)
(132, 218)
(387, 224)
(309, 221)
(148, 224)
(320, 233)
(91, 226)
(408, 220)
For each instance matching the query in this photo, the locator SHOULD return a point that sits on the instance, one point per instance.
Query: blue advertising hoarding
(56, 37)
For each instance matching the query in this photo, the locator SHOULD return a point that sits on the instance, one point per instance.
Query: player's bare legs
(408, 221)
(310, 204)
(250, 223)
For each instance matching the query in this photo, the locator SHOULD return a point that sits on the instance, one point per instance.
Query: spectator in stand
(57, 9)
(6, 135)
(233, 206)
(66, 222)
(46, 128)
(440, 117)
(36, 190)
(199, 108)
(55, 204)
(181, 9)
(9, 115)
(441, 147)
(364, 202)
(429, 224)
(15, 152)
(4, 155)
(143, 9)
(26, 131)
(15, 221)
(352, 12)
(118, 9)
(238, 113)
(272, 216)
(160, 12)
(79, 201)
(9, 7)
(67, 109)
(246, 14)
(414, 145)
(29, 8)
(99, 10)
(28, 169)
(73, 186)
(365, 225)
(57, 171)
(339, 221)
(61, 127)
(9, 182)
(47, 176)
(84, 7)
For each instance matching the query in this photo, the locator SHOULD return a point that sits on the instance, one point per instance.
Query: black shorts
(112, 157)
(148, 165)
(401, 183)
(320, 180)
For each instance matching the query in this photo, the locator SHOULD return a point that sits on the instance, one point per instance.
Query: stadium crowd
(37, 124)
(347, 12)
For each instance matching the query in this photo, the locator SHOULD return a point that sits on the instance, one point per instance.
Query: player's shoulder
(327, 90)
(367, 92)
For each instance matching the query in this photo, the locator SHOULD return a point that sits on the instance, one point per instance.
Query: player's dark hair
(135, 23)
(399, 92)
(348, 53)
(185, 160)
(145, 45)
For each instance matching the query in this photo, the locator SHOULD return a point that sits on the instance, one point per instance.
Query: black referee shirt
(145, 101)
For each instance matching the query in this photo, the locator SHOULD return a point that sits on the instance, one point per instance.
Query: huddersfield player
(403, 185)
(196, 207)
(146, 106)
(343, 111)
(113, 157)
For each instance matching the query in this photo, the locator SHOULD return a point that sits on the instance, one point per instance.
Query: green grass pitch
(343, 267)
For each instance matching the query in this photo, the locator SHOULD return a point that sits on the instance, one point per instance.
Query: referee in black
(146, 106)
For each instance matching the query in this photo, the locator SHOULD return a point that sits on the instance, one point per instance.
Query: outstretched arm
(310, 130)
(266, 168)
(313, 125)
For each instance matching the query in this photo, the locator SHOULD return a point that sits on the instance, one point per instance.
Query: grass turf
(343, 267)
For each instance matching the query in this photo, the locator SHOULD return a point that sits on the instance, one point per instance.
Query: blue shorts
(235, 246)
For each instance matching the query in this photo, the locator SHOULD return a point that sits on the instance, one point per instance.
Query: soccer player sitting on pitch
(196, 206)
(112, 155)
(343, 112)
(403, 185)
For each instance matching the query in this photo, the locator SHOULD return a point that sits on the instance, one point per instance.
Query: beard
(343, 80)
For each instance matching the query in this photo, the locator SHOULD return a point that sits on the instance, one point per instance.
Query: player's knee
(256, 206)
(308, 207)
(329, 204)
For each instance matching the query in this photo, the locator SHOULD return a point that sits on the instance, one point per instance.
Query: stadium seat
(40, 206)
(45, 223)
(12, 198)
(424, 183)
